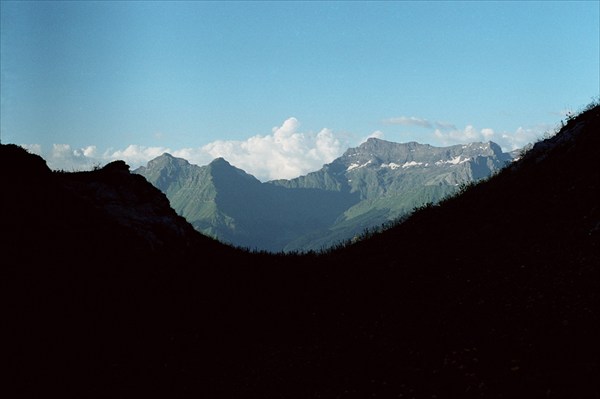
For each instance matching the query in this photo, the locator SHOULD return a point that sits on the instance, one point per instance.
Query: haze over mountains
(494, 293)
(366, 187)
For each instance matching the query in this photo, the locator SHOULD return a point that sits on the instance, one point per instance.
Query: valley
(368, 186)
(490, 293)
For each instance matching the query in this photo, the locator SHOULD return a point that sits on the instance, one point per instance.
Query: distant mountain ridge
(368, 185)
(223, 201)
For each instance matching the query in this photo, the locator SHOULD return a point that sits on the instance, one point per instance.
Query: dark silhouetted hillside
(88, 259)
(107, 212)
(499, 286)
(491, 294)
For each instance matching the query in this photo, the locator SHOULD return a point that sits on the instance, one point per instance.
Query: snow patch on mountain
(408, 164)
(358, 166)
(391, 165)
(454, 161)
(411, 163)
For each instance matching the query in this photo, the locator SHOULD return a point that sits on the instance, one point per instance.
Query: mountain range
(367, 186)
(491, 293)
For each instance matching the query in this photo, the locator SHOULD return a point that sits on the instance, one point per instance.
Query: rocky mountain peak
(165, 160)
(163, 170)
(221, 169)
(380, 153)
(220, 161)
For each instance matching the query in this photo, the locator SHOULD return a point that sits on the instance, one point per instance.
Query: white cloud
(135, 155)
(487, 133)
(61, 151)
(523, 136)
(33, 148)
(63, 157)
(283, 154)
(378, 134)
(507, 140)
(195, 156)
(408, 121)
(467, 135)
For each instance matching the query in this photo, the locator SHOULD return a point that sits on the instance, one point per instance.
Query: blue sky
(279, 88)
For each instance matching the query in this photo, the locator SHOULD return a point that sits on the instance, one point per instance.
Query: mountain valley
(492, 293)
(366, 187)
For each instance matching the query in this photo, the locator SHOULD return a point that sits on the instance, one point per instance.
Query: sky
(281, 88)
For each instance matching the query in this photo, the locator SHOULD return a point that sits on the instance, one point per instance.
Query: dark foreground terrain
(493, 294)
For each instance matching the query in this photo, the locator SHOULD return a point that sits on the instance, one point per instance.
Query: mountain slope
(369, 185)
(225, 202)
(503, 280)
(391, 179)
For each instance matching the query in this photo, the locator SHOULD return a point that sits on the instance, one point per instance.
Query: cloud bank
(445, 133)
(283, 154)
(507, 140)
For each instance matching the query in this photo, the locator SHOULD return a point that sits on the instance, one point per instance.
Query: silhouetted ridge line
(492, 293)
(107, 211)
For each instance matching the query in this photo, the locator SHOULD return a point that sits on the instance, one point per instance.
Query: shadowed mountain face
(369, 185)
(493, 293)
(226, 202)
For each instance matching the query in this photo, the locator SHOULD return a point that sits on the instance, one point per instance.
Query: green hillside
(368, 186)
